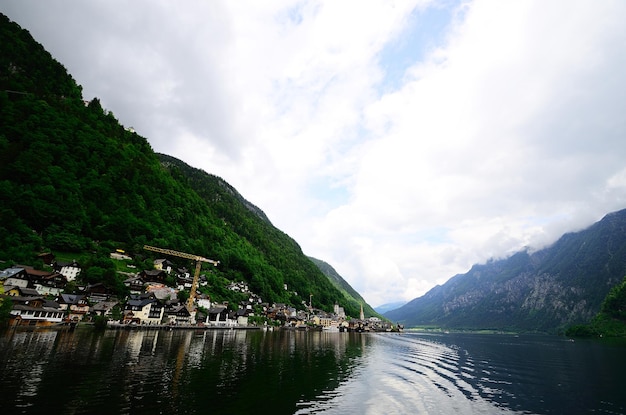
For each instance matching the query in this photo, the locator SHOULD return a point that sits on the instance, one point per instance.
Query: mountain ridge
(350, 293)
(546, 290)
(387, 307)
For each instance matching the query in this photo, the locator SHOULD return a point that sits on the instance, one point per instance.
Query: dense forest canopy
(73, 179)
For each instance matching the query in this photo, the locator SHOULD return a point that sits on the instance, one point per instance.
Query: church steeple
(361, 315)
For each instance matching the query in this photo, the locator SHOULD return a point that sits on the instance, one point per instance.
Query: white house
(69, 270)
(204, 301)
(144, 309)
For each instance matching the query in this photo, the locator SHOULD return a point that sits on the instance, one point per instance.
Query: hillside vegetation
(73, 180)
(610, 321)
(342, 285)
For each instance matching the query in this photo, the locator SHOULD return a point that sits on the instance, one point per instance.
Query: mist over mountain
(547, 290)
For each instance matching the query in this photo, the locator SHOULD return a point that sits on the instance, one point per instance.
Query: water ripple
(184, 372)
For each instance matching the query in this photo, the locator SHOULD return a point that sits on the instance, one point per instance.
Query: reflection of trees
(286, 364)
(180, 371)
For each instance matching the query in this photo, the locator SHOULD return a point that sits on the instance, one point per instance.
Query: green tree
(183, 296)
(614, 304)
(5, 309)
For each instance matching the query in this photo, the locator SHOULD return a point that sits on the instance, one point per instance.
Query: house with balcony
(74, 305)
(135, 285)
(34, 311)
(51, 284)
(154, 275)
(178, 314)
(143, 309)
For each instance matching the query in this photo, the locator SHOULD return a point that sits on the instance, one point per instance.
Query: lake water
(287, 372)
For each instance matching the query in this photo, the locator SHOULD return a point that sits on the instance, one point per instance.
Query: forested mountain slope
(351, 295)
(73, 179)
(547, 290)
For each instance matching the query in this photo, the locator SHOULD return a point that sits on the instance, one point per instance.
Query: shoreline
(119, 326)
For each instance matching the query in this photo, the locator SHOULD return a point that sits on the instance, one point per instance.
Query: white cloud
(504, 139)
(507, 133)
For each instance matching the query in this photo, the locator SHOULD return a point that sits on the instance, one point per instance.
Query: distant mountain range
(545, 291)
(385, 308)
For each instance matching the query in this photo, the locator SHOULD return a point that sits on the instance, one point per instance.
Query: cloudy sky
(400, 141)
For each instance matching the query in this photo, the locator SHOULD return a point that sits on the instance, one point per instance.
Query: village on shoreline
(40, 298)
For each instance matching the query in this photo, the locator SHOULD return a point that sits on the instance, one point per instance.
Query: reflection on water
(482, 374)
(135, 371)
(286, 372)
(403, 374)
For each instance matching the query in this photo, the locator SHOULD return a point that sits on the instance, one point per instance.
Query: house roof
(36, 272)
(153, 272)
(28, 292)
(142, 296)
(70, 298)
(51, 304)
(29, 308)
(162, 293)
(98, 287)
(61, 264)
(104, 305)
(140, 302)
(22, 299)
(216, 309)
(55, 275)
(179, 310)
(10, 272)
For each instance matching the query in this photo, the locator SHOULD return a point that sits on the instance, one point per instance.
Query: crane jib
(199, 260)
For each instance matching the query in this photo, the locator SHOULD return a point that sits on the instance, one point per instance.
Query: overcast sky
(400, 141)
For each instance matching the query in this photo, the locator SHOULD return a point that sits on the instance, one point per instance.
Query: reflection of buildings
(176, 371)
(29, 368)
(133, 345)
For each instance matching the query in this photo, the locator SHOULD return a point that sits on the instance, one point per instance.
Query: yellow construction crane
(199, 260)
